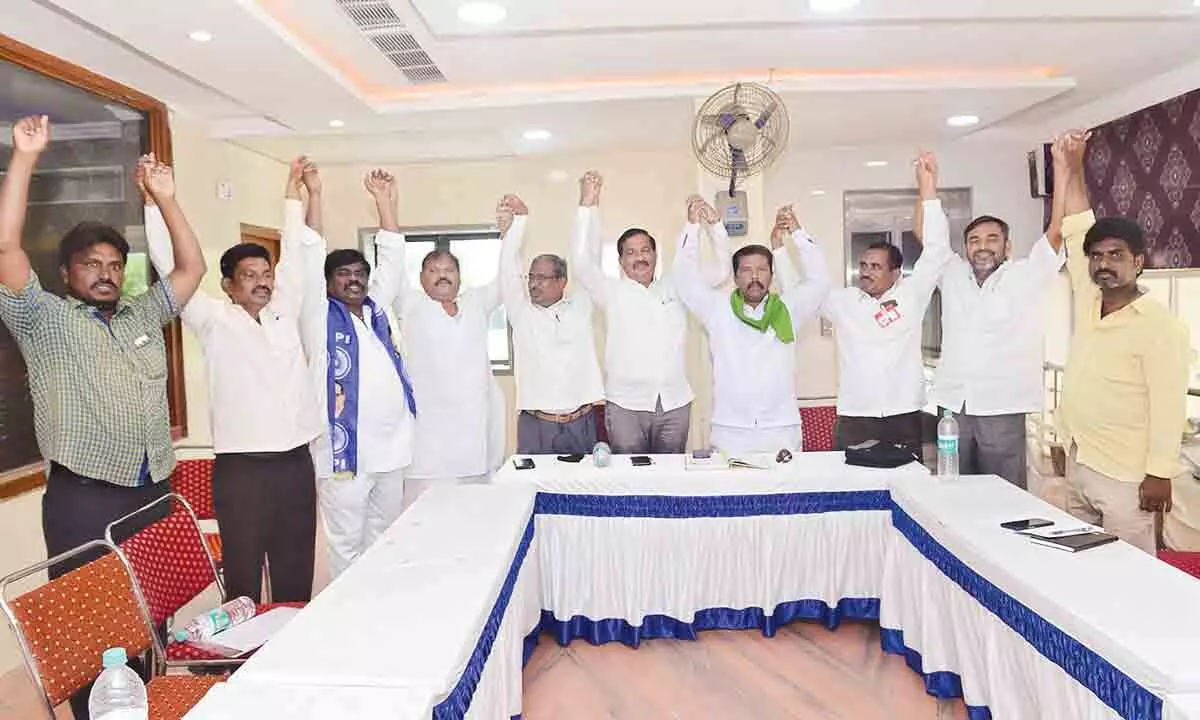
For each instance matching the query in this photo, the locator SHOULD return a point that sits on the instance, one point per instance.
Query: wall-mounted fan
(739, 131)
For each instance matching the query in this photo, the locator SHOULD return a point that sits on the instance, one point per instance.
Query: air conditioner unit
(1041, 172)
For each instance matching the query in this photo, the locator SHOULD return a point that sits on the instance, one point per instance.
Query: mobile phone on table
(1027, 524)
(570, 458)
(640, 460)
(523, 463)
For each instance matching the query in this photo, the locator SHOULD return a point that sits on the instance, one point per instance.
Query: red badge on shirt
(889, 312)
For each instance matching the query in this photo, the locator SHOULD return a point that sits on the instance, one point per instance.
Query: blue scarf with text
(342, 398)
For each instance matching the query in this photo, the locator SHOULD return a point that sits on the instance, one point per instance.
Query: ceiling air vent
(378, 22)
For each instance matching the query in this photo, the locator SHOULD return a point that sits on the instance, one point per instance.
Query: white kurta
(452, 378)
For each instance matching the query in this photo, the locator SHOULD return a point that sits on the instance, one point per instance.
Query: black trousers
(266, 505)
(75, 510)
(900, 429)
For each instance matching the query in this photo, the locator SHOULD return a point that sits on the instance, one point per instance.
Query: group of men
(315, 402)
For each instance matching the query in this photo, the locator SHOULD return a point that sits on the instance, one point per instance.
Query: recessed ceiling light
(831, 6)
(337, 123)
(481, 13)
(818, 193)
(876, 163)
(200, 35)
(537, 134)
(962, 120)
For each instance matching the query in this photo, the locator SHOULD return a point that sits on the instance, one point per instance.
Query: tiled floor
(804, 673)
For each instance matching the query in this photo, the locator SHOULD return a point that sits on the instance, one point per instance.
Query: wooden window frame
(158, 132)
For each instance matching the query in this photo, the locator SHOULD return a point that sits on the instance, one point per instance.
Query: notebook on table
(1074, 542)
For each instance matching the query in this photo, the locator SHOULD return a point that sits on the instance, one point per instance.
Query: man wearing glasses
(558, 376)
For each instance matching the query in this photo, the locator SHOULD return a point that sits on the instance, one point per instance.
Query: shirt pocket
(149, 355)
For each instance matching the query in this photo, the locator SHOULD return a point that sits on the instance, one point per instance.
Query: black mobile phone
(640, 460)
(1018, 525)
(523, 463)
(570, 458)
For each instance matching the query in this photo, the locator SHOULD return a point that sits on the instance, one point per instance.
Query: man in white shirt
(649, 401)
(752, 331)
(261, 404)
(364, 390)
(558, 377)
(881, 385)
(990, 372)
(445, 331)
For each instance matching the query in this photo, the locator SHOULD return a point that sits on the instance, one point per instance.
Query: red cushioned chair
(64, 626)
(193, 480)
(817, 425)
(1189, 562)
(171, 566)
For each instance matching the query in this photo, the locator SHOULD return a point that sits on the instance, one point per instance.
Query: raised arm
(389, 284)
(1070, 185)
(803, 299)
(935, 230)
(585, 239)
(189, 260)
(511, 217)
(31, 135)
(687, 273)
(199, 311)
(299, 272)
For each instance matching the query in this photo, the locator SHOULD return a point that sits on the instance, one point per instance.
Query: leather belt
(561, 419)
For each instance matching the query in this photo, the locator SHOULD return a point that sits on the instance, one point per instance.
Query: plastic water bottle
(947, 446)
(119, 694)
(601, 454)
(214, 621)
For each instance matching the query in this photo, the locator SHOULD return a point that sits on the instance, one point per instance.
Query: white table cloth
(442, 601)
(1182, 707)
(664, 551)
(1031, 631)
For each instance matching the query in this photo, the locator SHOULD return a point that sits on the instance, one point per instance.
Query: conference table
(437, 618)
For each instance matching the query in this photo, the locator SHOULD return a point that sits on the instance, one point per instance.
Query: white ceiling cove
(410, 81)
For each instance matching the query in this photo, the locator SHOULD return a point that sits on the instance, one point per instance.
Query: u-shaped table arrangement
(439, 616)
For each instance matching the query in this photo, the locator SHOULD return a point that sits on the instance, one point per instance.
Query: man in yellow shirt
(1125, 387)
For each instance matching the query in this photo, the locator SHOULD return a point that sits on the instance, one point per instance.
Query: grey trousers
(638, 432)
(543, 437)
(992, 445)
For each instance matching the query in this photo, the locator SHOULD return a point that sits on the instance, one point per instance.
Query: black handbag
(880, 454)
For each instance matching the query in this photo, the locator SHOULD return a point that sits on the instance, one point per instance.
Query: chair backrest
(817, 425)
(170, 560)
(193, 480)
(64, 626)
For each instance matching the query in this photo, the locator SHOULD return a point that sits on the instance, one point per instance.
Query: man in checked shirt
(96, 361)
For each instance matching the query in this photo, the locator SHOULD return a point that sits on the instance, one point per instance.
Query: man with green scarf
(751, 330)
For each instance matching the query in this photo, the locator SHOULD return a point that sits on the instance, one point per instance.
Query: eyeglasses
(539, 278)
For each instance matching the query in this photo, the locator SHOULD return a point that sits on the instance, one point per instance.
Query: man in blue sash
(363, 388)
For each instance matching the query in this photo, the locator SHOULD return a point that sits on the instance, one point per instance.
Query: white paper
(250, 635)
(1059, 530)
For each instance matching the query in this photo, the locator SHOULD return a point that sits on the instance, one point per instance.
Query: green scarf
(775, 315)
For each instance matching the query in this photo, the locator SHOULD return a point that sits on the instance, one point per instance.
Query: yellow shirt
(1124, 401)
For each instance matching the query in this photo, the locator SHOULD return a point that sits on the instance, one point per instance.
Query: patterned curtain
(1146, 167)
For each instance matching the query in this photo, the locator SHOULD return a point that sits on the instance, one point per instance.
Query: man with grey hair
(558, 376)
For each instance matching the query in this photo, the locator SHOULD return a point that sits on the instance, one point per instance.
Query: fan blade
(709, 141)
(727, 120)
(765, 116)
